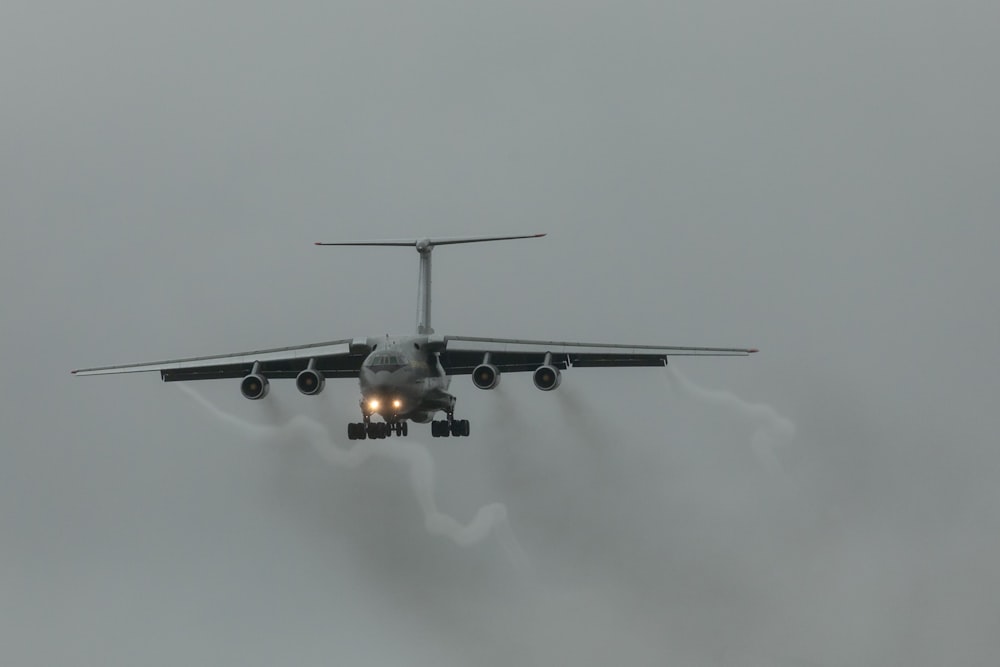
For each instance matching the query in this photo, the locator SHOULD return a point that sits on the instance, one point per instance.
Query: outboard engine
(486, 376)
(310, 381)
(254, 386)
(546, 377)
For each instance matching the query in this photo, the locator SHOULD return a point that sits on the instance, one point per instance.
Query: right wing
(335, 359)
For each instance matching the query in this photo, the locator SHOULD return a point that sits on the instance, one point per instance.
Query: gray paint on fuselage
(404, 368)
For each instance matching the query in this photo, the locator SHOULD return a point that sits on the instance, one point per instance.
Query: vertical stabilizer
(424, 291)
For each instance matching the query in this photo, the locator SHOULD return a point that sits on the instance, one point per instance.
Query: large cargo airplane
(406, 378)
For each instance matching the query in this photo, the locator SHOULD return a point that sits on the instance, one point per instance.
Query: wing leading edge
(461, 354)
(335, 359)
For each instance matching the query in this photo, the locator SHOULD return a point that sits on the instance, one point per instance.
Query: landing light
(373, 404)
(397, 403)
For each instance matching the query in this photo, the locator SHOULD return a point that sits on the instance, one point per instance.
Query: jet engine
(546, 377)
(254, 386)
(486, 376)
(310, 382)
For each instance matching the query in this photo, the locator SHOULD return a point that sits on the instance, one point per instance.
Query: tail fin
(424, 247)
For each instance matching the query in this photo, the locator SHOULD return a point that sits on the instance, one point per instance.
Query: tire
(465, 428)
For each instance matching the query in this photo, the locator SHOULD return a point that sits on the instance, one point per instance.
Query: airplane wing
(461, 354)
(335, 359)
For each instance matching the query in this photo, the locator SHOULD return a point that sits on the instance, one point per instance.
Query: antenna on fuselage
(425, 247)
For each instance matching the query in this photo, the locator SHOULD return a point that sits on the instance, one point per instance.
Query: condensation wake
(489, 520)
(772, 431)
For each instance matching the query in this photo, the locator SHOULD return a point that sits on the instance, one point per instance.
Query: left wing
(461, 354)
(335, 359)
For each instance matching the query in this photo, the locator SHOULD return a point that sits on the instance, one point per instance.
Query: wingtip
(753, 350)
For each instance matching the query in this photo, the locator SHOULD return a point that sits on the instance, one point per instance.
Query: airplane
(406, 378)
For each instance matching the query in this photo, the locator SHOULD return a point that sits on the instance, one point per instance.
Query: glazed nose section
(385, 361)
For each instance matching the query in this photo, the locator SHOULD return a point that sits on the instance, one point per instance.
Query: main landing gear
(450, 427)
(370, 430)
(376, 430)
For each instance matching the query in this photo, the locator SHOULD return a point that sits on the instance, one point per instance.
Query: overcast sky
(817, 179)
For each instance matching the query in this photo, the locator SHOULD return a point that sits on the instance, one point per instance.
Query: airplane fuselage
(402, 379)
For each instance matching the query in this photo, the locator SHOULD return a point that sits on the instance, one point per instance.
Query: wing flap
(604, 361)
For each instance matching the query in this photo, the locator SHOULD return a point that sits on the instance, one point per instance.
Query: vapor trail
(490, 519)
(772, 431)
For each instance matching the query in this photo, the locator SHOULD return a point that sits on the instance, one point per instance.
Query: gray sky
(817, 179)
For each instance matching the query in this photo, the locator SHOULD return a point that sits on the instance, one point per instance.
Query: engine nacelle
(310, 382)
(486, 376)
(546, 377)
(254, 386)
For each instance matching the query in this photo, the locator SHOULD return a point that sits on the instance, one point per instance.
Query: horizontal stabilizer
(425, 243)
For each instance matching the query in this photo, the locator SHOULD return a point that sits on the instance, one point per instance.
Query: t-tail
(425, 247)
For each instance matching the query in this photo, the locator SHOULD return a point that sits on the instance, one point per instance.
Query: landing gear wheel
(404, 429)
(459, 428)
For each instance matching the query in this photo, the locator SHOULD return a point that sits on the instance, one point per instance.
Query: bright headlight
(397, 404)
(373, 404)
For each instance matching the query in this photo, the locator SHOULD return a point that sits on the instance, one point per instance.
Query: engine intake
(310, 382)
(546, 377)
(254, 386)
(486, 376)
